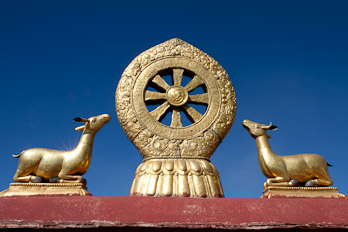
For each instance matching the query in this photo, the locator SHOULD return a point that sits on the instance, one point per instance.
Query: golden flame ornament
(176, 155)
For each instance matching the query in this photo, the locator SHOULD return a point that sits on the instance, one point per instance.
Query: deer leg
(18, 178)
(64, 178)
(323, 179)
(29, 178)
(54, 180)
(22, 175)
(278, 181)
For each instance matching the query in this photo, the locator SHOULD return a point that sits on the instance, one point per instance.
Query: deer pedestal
(307, 192)
(43, 189)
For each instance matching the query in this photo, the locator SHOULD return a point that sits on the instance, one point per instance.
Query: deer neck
(83, 150)
(265, 154)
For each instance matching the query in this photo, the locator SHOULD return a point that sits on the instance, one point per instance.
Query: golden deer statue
(61, 166)
(292, 170)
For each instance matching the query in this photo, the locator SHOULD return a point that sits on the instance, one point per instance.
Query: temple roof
(172, 213)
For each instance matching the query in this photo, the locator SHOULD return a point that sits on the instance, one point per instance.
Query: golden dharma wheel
(175, 98)
(176, 104)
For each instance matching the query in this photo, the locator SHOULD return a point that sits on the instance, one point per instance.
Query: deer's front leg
(278, 181)
(64, 178)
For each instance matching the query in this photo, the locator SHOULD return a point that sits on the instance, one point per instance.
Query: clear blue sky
(288, 61)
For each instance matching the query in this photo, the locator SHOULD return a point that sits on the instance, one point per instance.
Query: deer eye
(257, 126)
(94, 120)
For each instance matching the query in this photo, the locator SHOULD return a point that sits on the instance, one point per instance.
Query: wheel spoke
(194, 83)
(151, 95)
(158, 80)
(177, 76)
(176, 119)
(159, 111)
(194, 114)
(199, 98)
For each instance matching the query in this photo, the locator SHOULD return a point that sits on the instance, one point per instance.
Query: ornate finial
(302, 171)
(177, 41)
(176, 155)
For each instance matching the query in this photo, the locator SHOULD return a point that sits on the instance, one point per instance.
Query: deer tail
(17, 156)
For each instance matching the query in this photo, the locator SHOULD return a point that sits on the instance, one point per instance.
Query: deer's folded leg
(70, 178)
(278, 181)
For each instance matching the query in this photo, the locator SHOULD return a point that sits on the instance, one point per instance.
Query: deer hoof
(36, 179)
(265, 185)
(54, 180)
(294, 183)
(309, 183)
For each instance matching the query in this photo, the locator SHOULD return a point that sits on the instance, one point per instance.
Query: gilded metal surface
(179, 177)
(309, 192)
(44, 189)
(144, 83)
(41, 164)
(306, 169)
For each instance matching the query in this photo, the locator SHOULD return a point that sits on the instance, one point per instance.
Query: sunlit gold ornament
(61, 170)
(294, 175)
(176, 157)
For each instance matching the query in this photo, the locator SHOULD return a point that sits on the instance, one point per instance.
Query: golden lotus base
(307, 192)
(44, 189)
(177, 178)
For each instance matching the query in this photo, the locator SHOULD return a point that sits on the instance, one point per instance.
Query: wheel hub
(177, 95)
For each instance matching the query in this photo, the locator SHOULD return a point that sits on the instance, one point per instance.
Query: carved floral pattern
(152, 145)
(176, 165)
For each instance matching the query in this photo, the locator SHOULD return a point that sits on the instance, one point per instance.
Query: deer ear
(80, 128)
(269, 127)
(79, 119)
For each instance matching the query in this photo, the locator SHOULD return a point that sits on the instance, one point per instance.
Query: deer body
(283, 170)
(68, 166)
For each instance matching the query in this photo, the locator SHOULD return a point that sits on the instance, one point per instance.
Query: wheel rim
(151, 118)
(174, 97)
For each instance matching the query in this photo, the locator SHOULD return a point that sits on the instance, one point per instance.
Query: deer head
(257, 129)
(93, 123)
